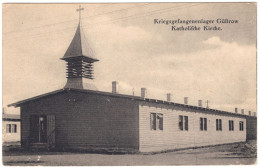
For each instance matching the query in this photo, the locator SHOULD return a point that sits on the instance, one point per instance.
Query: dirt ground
(232, 154)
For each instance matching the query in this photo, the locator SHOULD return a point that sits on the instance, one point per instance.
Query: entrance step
(38, 146)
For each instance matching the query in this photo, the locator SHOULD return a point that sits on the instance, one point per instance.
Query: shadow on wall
(251, 128)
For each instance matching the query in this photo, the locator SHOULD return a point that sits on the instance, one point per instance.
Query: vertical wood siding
(251, 129)
(51, 130)
(173, 138)
(87, 120)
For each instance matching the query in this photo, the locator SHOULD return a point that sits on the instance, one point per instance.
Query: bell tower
(80, 58)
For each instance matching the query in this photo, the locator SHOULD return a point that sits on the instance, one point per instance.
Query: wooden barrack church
(79, 116)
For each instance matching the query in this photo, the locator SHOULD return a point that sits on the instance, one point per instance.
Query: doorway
(38, 129)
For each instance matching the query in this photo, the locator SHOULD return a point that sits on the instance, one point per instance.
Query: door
(51, 131)
(38, 128)
(43, 129)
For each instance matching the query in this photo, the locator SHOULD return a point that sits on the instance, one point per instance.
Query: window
(156, 121)
(183, 121)
(153, 121)
(186, 123)
(241, 125)
(231, 125)
(11, 128)
(8, 128)
(203, 124)
(14, 128)
(160, 121)
(218, 124)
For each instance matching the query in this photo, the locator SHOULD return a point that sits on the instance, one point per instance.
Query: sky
(218, 66)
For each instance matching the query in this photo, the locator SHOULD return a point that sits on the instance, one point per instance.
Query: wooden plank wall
(25, 126)
(251, 129)
(87, 120)
(51, 130)
(172, 138)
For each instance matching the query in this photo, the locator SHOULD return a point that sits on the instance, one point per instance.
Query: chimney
(169, 97)
(143, 92)
(254, 113)
(186, 100)
(200, 103)
(236, 110)
(115, 87)
(249, 113)
(242, 111)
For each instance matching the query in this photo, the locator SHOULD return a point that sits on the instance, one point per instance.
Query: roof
(79, 47)
(137, 98)
(17, 104)
(11, 117)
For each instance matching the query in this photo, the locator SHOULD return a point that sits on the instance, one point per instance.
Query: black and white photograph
(129, 84)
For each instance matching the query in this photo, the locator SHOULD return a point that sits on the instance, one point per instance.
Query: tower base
(80, 83)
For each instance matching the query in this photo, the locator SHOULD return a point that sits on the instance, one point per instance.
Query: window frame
(159, 117)
(231, 125)
(8, 128)
(186, 124)
(183, 123)
(241, 125)
(153, 121)
(14, 128)
(11, 128)
(203, 124)
(156, 121)
(218, 124)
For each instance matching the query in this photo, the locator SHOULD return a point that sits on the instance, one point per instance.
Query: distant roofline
(138, 98)
(10, 117)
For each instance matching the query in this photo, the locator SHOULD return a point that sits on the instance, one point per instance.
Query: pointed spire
(79, 46)
(80, 58)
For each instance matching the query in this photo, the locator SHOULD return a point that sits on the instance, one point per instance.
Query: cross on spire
(78, 10)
